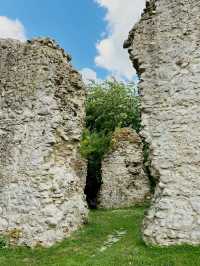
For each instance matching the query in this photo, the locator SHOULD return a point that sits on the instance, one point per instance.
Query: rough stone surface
(165, 49)
(41, 118)
(124, 180)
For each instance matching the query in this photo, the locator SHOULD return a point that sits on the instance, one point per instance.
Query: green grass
(83, 248)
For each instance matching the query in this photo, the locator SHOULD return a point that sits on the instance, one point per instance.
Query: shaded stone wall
(165, 49)
(41, 119)
(123, 177)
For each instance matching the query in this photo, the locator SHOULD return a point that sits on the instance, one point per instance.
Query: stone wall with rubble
(165, 49)
(41, 119)
(124, 180)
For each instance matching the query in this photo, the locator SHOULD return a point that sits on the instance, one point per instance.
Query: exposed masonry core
(41, 116)
(124, 180)
(165, 50)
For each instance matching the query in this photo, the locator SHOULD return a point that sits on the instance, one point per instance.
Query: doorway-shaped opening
(93, 182)
(109, 105)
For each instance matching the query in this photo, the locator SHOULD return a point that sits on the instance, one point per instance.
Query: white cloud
(89, 75)
(11, 29)
(121, 16)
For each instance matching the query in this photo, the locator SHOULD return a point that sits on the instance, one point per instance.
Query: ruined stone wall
(165, 49)
(123, 177)
(41, 118)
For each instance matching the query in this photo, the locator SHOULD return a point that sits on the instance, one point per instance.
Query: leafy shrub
(112, 104)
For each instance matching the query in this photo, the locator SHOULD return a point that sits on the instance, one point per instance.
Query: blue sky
(89, 30)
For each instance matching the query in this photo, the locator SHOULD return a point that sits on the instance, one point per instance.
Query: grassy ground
(112, 238)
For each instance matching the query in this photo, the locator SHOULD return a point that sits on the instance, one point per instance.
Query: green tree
(109, 105)
(112, 104)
